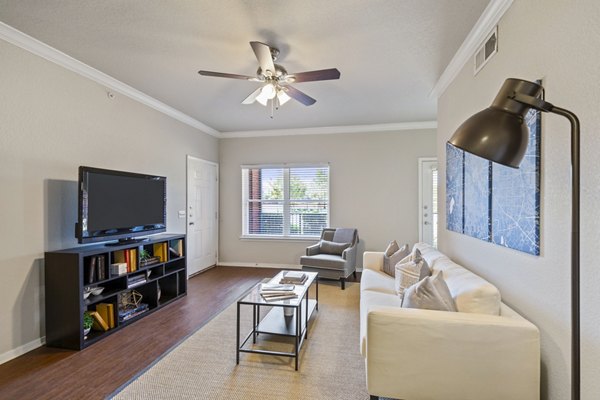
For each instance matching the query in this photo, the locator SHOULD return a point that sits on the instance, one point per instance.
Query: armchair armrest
(373, 260)
(415, 353)
(313, 250)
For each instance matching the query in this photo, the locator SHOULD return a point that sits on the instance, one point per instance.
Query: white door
(202, 214)
(428, 212)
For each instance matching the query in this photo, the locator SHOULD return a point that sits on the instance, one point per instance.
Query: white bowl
(97, 290)
(86, 294)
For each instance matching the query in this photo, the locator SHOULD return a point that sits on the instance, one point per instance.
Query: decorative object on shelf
(97, 290)
(88, 321)
(131, 298)
(86, 292)
(500, 134)
(158, 291)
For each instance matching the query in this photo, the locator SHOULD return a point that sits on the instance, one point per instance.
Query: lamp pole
(542, 105)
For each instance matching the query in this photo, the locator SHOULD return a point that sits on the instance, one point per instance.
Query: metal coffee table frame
(274, 322)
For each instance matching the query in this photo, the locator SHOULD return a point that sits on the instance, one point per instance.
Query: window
(285, 201)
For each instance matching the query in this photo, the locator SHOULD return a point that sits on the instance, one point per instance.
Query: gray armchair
(334, 257)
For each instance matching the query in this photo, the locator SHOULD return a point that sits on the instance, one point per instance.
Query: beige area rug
(203, 366)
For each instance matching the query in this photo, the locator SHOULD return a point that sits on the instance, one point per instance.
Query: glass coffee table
(275, 322)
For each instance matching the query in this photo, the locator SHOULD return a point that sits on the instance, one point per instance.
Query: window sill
(280, 238)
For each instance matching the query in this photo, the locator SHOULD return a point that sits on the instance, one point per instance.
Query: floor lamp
(499, 133)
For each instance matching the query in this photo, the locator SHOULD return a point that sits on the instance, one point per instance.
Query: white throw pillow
(409, 273)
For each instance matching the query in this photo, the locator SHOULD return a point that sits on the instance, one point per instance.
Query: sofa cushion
(431, 293)
(327, 247)
(389, 263)
(391, 249)
(429, 253)
(471, 293)
(377, 281)
(411, 272)
(368, 300)
(324, 261)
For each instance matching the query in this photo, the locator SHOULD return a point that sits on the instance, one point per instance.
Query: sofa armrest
(413, 353)
(373, 260)
(313, 250)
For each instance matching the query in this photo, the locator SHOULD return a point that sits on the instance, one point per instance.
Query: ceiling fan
(276, 81)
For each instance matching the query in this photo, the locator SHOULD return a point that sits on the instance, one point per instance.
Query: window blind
(285, 201)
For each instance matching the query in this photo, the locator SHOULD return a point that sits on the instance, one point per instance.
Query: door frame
(421, 161)
(187, 201)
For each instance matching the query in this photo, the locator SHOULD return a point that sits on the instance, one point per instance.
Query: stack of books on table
(273, 291)
(293, 277)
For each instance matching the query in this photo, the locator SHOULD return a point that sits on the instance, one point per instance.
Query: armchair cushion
(328, 261)
(327, 247)
(345, 235)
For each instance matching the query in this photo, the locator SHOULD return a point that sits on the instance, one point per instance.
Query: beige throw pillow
(410, 272)
(392, 248)
(431, 293)
(389, 262)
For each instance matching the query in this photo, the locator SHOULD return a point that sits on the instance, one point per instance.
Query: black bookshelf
(69, 272)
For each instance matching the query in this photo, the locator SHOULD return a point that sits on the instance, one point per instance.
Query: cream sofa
(485, 351)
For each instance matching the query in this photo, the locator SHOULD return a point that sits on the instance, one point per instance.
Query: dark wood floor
(99, 370)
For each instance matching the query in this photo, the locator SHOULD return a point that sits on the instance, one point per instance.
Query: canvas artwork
(516, 197)
(495, 203)
(454, 188)
(477, 197)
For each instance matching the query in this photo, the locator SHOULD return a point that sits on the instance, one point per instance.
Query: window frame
(285, 202)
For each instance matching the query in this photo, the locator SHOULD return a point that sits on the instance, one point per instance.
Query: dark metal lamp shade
(499, 133)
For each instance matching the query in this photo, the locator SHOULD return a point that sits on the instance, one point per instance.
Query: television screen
(119, 205)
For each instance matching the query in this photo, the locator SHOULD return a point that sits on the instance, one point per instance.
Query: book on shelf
(149, 261)
(92, 270)
(128, 313)
(133, 259)
(99, 323)
(136, 280)
(106, 312)
(160, 250)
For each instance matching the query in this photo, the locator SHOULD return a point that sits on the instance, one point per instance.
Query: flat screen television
(119, 205)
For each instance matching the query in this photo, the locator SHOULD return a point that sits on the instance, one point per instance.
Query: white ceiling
(390, 52)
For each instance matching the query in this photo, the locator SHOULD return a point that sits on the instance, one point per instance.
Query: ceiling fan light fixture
(282, 97)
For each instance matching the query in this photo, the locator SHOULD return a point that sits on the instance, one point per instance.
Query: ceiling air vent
(486, 51)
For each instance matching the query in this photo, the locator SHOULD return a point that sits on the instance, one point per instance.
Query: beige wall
(557, 41)
(51, 121)
(373, 188)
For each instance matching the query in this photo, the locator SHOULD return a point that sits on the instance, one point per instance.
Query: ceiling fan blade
(263, 55)
(224, 75)
(299, 96)
(252, 97)
(320, 75)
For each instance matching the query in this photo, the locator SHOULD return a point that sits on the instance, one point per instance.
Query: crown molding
(328, 130)
(26, 42)
(489, 18)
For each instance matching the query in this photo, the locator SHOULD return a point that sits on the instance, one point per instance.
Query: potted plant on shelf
(88, 321)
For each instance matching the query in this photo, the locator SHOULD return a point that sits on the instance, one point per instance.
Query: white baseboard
(259, 265)
(19, 351)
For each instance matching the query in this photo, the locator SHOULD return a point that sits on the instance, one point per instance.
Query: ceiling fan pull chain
(272, 107)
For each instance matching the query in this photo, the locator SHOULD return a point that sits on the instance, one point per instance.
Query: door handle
(191, 223)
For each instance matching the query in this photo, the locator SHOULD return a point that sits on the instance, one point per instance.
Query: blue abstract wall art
(495, 203)
(516, 197)
(454, 188)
